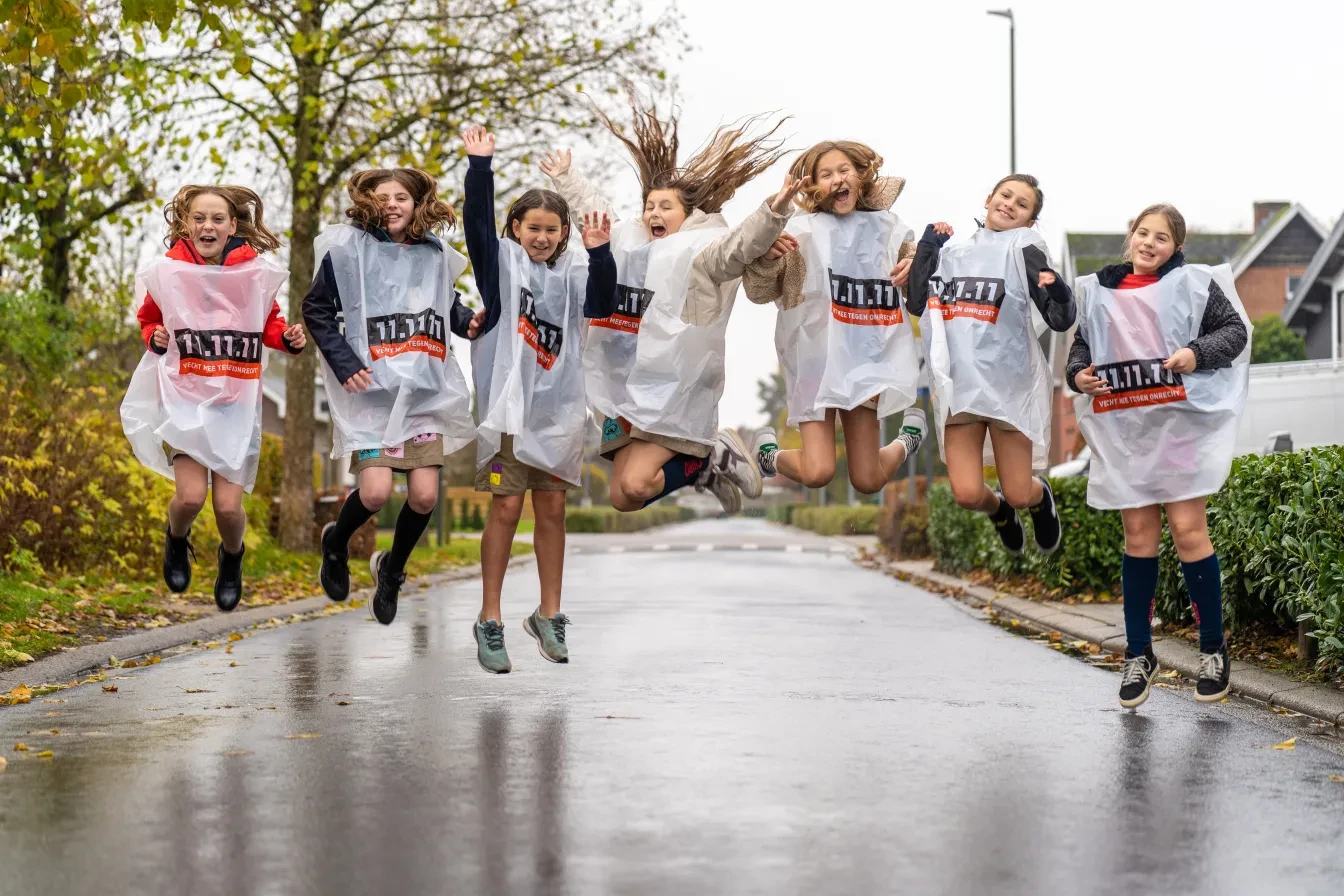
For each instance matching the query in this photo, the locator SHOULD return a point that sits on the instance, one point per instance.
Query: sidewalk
(1104, 625)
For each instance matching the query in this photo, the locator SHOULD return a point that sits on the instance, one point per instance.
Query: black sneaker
(1045, 520)
(177, 557)
(1137, 677)
(1215, 675)
(335, 572)
(229, 581)
(1011, 533)
(386, 589)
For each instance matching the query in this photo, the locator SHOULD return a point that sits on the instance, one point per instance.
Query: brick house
(1313, 310)
(1267, 265)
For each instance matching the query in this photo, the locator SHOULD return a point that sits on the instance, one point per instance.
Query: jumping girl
(654, 367)
(528, 366)
(846, 346)
(1162, 357)
(398, 399)
(987, 371)
(193, 409)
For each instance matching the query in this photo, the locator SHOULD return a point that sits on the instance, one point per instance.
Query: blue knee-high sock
(1138, 581)
(1204, 580)
(678, 472)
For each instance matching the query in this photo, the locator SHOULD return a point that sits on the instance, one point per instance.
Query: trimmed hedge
(609, 519)
(1276, 526)
(905, 531)
(842, 519)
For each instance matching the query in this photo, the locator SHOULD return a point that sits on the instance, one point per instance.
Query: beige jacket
(781, 280)
(719, 267)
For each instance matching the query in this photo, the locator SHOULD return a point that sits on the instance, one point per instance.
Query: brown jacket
(781, 280)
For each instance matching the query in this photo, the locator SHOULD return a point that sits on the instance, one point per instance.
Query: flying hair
(430, 212)
(865, 160)
(730, 158)
(245, 208)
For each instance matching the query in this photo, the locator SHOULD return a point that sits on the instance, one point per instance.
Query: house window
(1292, 285)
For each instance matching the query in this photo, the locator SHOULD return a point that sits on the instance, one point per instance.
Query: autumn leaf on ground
(3, 762)
(1289, 744)
(45, 754)
(20, 694)
(196, 691)
(1055, 636)
(301, 736)
(1338, 779)
(235, 637)
(129, 664)
(20, 748)
(109, 689)
(233, 664)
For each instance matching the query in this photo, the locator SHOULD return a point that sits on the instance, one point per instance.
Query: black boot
(229, 582)
(177, 557)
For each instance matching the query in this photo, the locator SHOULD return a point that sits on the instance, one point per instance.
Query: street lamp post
(1012, 85)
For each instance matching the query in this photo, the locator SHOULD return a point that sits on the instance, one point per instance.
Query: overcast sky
(1208, 105)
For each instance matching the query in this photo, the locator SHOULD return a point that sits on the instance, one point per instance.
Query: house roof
(1324, 266)
(1269, 231)
(1093, 251)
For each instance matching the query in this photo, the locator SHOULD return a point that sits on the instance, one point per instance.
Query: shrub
(1275, 525)
(859, 519)
(781, 513)
(608, 519)
(905, 531)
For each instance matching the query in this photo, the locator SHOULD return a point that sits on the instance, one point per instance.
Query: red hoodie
(235, 252)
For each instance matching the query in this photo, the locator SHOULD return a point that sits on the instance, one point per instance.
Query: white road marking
(838, 549)
(616, 549)
(662, 547)
(793, 549)
(749, 546)
(704, 547)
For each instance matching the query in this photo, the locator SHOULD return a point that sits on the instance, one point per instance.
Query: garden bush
(609, 519)
(1276, 526)
(905, 531)
(843, 519)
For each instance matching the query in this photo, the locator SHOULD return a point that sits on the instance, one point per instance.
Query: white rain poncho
(850, 339)
(396, 300)
(980, 335)
(203, 396)
(529, 369)
(645, 363)
(1158, 436)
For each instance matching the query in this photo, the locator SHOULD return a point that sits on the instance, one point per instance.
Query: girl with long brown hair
(208, 369)
(397, 396)
(655, 365)
(845, 343)
(528, 366)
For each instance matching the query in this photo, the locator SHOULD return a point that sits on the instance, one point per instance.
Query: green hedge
(608, 519)
(858, 519)
(1276, 526)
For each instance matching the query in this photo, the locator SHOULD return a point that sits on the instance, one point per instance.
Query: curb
(73, 664)
(1325, 704)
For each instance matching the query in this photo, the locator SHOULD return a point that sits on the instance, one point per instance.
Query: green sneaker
(490, 652)
(550, 635)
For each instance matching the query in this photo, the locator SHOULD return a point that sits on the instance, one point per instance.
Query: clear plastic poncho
(850, 339)
(646, 364)
(1158, 436)
(203, 396)
(396, 300)
(980, 334)
(529, 369)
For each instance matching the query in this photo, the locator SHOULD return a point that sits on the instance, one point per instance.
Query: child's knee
(818, 473)
(191, 498)
(1189, 539)
(374, 495)
(422, 499)
(637, 487)
(507, 510)
(969, 495)
(549, 507)
(867, 483)
(1018, 494)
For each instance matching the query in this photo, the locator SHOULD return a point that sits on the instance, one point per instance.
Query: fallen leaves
(19, 695)
(20, 748)
(5, 762)
(196, 691)
(45, 754)
(1338, 779)
(109, 689)
(235, 637)
(302, 736)
(1289, 744)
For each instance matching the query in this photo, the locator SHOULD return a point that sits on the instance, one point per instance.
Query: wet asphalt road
(732, 722)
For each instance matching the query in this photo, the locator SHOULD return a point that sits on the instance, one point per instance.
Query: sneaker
(550, 635)
(490, 652)
(229, 581)
(729, 457)
(913, 426)
(718, 485)
(1137, 677)
(387, 588)
(178, 555)
(1215, 675)
(1011, 533)
(335, 572)
(1045, 520)
(764, 447)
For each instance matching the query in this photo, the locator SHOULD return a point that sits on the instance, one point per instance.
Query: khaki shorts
(617, 433)
(957, 419)
(421, 451)
(173, 453)
(507, 475)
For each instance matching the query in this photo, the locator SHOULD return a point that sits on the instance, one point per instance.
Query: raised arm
(582, 194)
(924, 266)
(478, 220)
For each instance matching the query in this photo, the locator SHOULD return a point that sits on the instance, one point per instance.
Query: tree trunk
(296, 490)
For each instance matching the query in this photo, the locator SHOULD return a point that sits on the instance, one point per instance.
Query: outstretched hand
(479, 141)
(596, 230)
(556, 162)
(786, 243)
(792, 187)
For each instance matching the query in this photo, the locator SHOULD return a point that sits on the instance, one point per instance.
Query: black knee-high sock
(410, 526)
(353, 515)
(679, 472)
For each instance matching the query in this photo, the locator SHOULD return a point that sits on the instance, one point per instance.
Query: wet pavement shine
(731, 722)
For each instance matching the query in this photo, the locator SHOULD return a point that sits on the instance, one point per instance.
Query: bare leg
(964, 443)
(548, 543)
(814, 464)
(639, 471)
(496, 548)
(229, 514)
(1012, 458)
(192, 481)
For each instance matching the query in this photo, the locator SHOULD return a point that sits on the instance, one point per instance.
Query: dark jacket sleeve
(459, 316)
(322, 317)
(922, 270)
(478, 219)
(600, 297)
(1222, 335)
(1055, 302)
(1080, 358)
